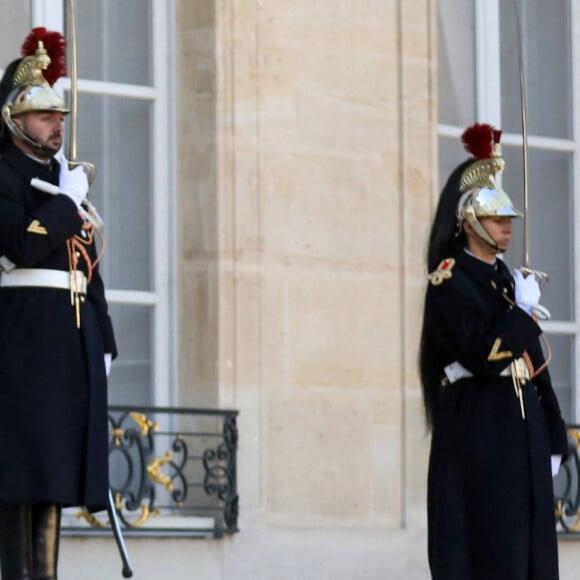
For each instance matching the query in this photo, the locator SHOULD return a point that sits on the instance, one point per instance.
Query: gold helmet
(31, 83)
(482, 195)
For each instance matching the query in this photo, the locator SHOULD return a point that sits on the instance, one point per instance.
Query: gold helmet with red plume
(43, 62)
(482, 195)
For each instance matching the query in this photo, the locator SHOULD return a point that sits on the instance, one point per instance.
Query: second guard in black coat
(496, 423)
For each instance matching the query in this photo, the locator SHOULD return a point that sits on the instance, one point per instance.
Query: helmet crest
(482, 141)
(55, 46)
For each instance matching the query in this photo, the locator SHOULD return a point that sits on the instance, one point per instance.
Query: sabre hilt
(541, 277)
(88, 168)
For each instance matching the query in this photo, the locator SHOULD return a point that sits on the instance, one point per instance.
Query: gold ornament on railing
(154, 471)
(144, 423)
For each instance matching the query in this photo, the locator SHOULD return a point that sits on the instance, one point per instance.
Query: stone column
(308, 137)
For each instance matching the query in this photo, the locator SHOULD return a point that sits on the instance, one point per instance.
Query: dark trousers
(29, 536)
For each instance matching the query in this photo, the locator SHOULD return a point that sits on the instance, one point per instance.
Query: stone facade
(306, 177)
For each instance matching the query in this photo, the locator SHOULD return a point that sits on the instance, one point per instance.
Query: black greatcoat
(53, 397)
(490, 497)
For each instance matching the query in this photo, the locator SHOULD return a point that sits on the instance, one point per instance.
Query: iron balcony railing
(567, 488)
(172, 472)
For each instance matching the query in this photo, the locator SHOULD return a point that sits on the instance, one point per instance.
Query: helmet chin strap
(484, 235)
(28, 139)
(470, 217)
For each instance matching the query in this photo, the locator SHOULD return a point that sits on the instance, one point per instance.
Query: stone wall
(306, 178)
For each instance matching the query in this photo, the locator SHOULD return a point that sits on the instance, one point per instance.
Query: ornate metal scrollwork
(567, 487)
(153, 470)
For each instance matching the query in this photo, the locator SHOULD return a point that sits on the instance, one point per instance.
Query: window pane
(457, 100)
(131, 378)
(115, 41)
(550, 222)
(15, 24)
(547, 61)
(115, 134)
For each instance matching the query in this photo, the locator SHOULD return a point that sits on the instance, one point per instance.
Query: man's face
(44, 127)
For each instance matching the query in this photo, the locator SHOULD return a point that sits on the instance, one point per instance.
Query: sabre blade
(524, 131)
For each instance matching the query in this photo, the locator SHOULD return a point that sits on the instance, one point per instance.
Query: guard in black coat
(497, 432)
(56, 337)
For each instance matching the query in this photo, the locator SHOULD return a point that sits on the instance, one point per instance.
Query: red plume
(55, 46)
(479, 140)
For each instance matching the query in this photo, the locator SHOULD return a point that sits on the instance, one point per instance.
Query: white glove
(108, 359)
(556, 460)
(527, 291)
(73, 182)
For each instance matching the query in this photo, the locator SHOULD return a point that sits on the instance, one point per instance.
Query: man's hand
(73, 182)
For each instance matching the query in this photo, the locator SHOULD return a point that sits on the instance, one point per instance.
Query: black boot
(45, 537)
(15, 542)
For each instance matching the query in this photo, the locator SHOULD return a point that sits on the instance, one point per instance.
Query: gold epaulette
(443, 272)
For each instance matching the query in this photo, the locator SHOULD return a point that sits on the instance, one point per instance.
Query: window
(123, 128)
(479, 81)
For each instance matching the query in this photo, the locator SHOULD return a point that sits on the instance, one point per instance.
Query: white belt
(38, 277)
(456, 371)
